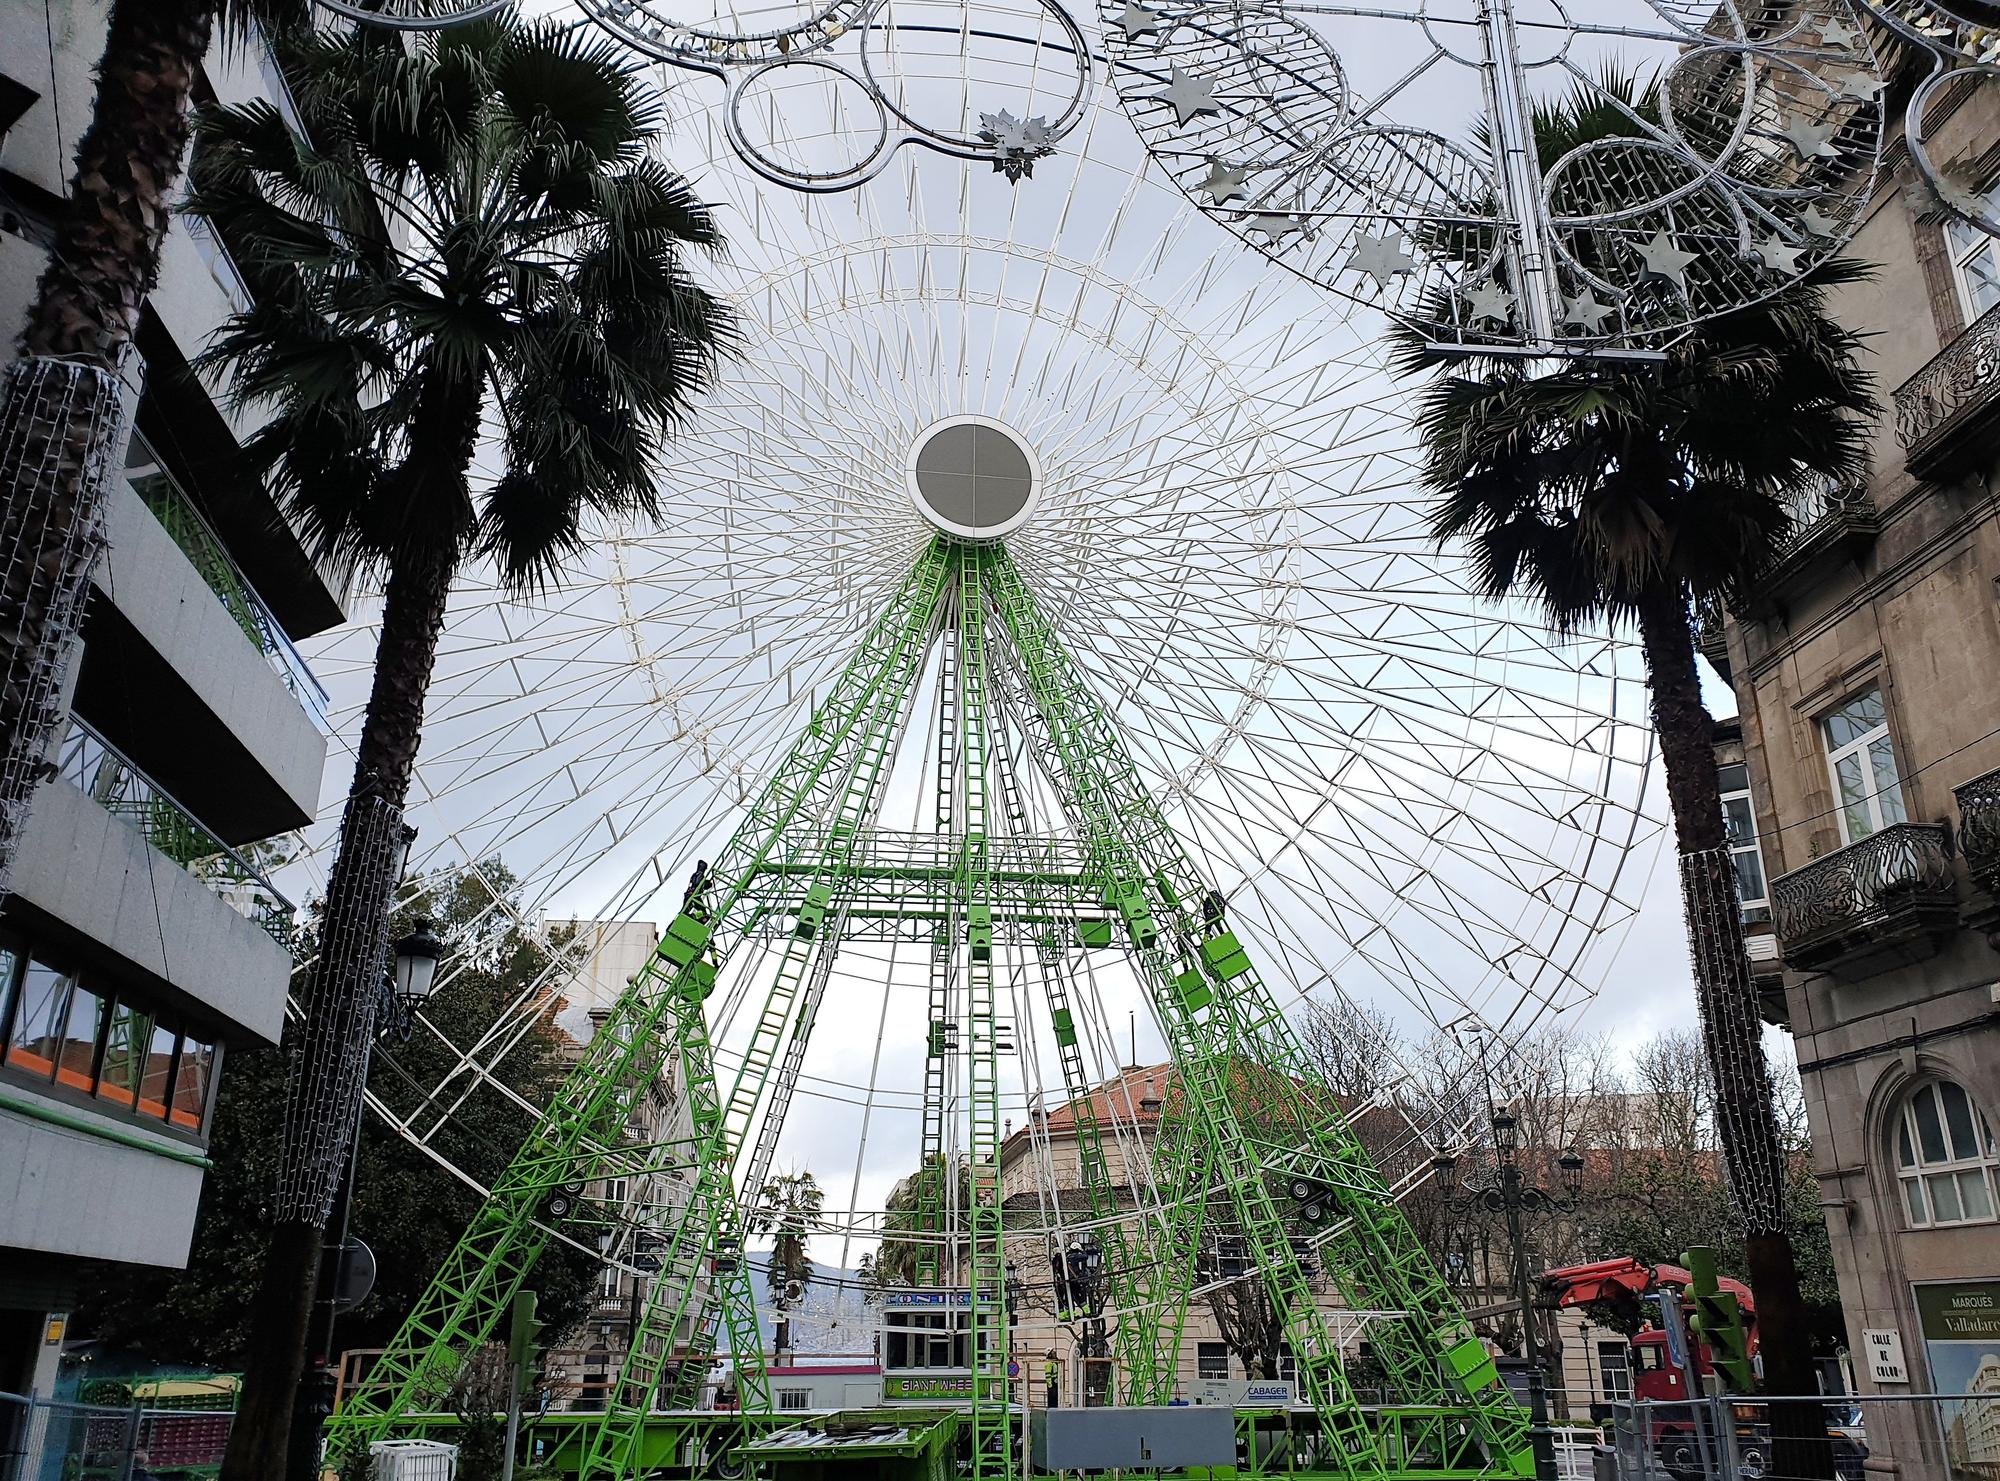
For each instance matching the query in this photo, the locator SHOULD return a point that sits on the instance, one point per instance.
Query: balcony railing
(105, 775)
(177, 515)
(1950, 397)
(1869, 897)
(1979, 829)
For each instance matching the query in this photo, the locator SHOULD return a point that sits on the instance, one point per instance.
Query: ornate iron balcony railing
(1979, 828)
(107, 777)
(1964, 376)
(1863, 886)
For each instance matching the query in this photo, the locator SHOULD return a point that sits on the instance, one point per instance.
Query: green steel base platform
(1414, 1443)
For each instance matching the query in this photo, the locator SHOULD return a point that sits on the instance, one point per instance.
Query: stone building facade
(1867, 675)
(581, 1365)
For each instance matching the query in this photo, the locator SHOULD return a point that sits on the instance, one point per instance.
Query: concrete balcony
(1883, 902)
(79, 1184)
(130, 881)
(185, 670)
(1947, 412)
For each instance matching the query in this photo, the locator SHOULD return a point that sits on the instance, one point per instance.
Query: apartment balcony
(1979, 840)
(1885, 901)
(1831, 523)
(1947, 412)
(170, 505)
(102, 773)
(127, 879)
(187, 672)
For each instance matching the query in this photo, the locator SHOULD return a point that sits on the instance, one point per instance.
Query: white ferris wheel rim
(561, 723)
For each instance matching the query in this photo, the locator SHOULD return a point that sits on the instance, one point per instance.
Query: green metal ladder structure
(809, 866)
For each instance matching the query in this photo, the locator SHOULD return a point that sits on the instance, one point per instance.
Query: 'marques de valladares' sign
(1961, 1327)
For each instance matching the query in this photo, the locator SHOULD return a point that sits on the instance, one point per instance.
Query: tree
(906, 1240)
(1609, 491)
(472, 234)
(787, 1207)
(407, 1208)
(60, 415)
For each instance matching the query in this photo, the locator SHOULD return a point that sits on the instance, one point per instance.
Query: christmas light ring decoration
(1962, 39)
(414, 15)
(1754, 161)
(820, 96)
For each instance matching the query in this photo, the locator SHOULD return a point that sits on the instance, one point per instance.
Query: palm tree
(1623, 493)
(470, 246)
(786, 1209)
(60, 414)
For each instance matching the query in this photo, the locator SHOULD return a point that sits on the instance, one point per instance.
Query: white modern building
(142, 940)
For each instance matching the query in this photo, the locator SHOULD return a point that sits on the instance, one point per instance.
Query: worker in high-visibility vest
(1052, 1375)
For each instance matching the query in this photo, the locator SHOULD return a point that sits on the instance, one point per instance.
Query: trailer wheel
(1680, 1455)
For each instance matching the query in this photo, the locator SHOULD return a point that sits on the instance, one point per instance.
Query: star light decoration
(1760, 167)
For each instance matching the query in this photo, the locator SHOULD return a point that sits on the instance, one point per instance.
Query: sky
(1422, 798)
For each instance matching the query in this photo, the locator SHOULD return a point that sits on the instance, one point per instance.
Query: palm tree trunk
(1731, 1030)
(60, 410)
(330, 1051)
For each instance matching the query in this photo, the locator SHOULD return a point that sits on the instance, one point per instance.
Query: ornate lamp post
(1499, 1184)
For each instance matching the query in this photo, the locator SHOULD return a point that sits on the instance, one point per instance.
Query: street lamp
(1500, 1186)
(417, 956)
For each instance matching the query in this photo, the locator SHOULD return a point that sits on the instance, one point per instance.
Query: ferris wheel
(1201, 476)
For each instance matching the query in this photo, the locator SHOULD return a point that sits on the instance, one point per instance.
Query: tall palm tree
(60, 416)
(1609, 491)
(471, 247)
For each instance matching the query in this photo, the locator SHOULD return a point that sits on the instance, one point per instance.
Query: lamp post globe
(417, 956)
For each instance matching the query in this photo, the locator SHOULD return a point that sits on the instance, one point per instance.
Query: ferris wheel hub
(974, 478)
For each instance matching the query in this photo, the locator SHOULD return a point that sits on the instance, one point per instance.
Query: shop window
(191, 1083)
(41, 1009)
(76, 1065)
(65, 1031)
(1211, 1360)
(127, 1045)
(1868, 791)
(1945, 1157)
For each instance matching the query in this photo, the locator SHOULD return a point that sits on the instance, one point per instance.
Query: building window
(1614, 1371)
(1739, 824)
(1945, 1157)
(60, 1031)
(1863, 766)
(609, 1289)
(1975, 264)
(926, 1339)
(1211, 1360)
(795, 1398)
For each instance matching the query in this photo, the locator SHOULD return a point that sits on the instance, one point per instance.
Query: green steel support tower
(1046, 854)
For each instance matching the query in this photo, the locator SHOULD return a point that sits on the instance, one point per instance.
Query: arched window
(1945, 1156)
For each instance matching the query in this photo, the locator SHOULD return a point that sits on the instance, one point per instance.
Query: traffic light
(1717, 1323)
(524, 1331)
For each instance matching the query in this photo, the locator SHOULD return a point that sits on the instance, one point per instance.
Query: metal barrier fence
(1734, 1439)
(50, 1440)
